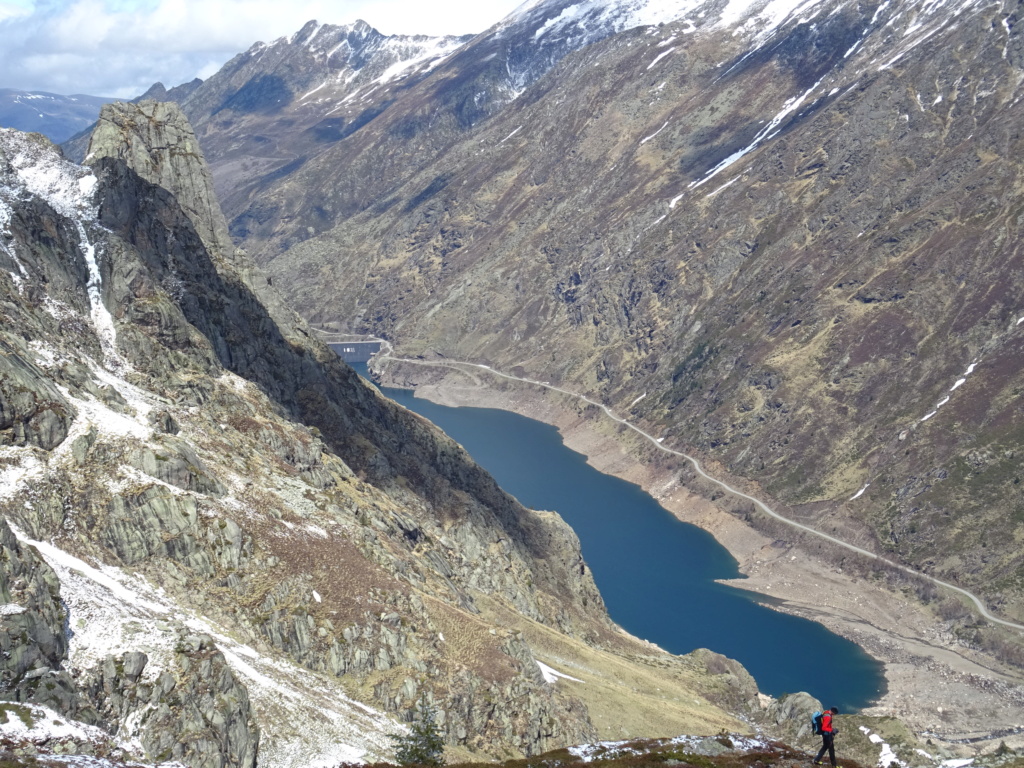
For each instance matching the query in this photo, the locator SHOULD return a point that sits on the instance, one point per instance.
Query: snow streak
(767, 133)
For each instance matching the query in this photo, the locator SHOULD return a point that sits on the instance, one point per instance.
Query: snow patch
(766, 20)
(108, 421)
(886, 757)
(765, 134)
(517, 130)
(45, 356)
(606, 749)
(16, 477)
(310, 93)
(659, 57)
(567, 15)
(41, 171)
(724, 186)
(433, 53)
(648, 138)
(110, 610)
(309, 43)
(860, 493)
(102, 320)
(71, 568)
(44, 724)
(551, 675)
(956, 385)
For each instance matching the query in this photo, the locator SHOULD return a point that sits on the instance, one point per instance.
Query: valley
(713, 223)
(935, 684)
(660, 580)
(764, 259)
(174, 493)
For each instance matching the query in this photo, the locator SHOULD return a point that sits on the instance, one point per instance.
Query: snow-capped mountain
(56, 117)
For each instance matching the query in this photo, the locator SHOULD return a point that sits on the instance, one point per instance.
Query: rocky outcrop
(156, 141)
(317, 389)
(730, 685)
(791, 715)
(176, 463)
(33, 645)
(196, 712)
(32, 410)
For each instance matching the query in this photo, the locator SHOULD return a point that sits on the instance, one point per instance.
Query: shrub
(423, 745)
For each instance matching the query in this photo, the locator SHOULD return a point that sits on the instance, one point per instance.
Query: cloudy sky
(118, 48)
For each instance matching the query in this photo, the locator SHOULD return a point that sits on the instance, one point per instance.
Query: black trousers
(827, 745)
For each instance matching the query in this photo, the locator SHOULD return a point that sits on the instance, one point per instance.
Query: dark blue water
(657, 575)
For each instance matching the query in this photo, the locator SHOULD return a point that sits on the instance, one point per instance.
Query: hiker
(828, 735)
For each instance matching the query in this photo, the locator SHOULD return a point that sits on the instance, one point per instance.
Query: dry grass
(470, 642)
(642, 694)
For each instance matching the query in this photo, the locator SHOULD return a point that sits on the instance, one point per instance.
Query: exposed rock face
(156, 141)
(792, 714)
(196, 713)
(794, 236)
(32, 410)
(32, 642)
(230, 473)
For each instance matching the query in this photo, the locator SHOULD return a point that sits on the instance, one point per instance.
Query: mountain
(56, 117)
(221, 547)
(783, 237)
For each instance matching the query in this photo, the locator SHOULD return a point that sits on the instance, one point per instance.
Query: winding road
(387, 353)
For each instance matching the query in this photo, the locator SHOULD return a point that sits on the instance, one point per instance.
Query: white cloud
(119, 48)
(12, 10)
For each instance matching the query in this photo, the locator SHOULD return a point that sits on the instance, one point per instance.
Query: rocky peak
(156, 141)
(159, 92)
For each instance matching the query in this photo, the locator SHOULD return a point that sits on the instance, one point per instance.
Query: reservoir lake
(658, 576)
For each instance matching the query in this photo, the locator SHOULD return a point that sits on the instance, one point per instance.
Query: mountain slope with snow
(56, 117)
(259, 560)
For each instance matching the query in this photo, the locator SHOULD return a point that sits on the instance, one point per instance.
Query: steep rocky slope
(785, 239)
(258, 557)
